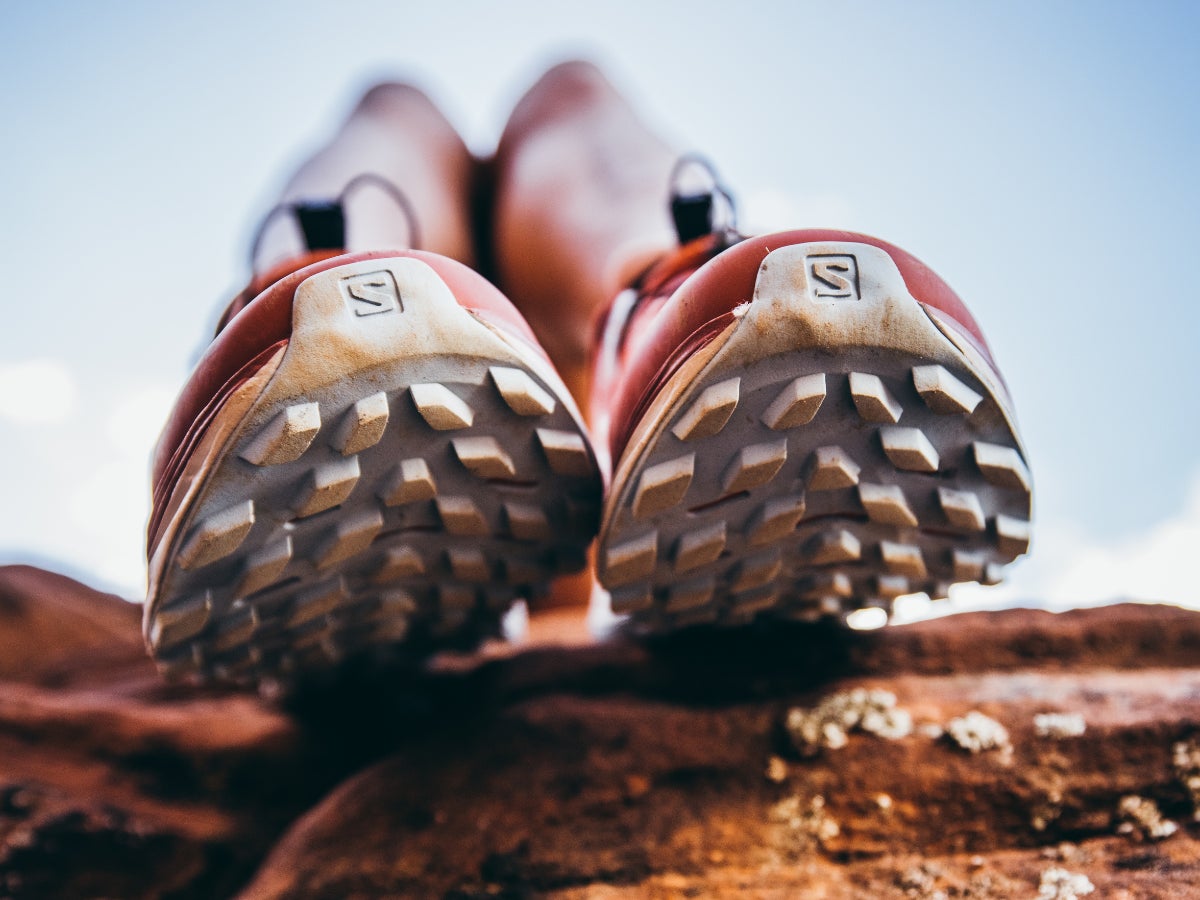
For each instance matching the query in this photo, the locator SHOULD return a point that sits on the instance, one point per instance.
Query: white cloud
(1069, 569)
(1155, 566)
(138, 418)
(107, 511)
(109, 504)
(37, 392)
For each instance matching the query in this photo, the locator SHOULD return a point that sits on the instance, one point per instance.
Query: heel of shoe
(832, 449)
(403, 476)
(843, 296)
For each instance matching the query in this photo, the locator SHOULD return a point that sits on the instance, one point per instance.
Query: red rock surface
(619, 770)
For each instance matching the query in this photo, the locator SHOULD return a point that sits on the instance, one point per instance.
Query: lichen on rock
(829, 724)
(1185, 757)
(777, 770)
(1059, 726)
(1141, 816)
(1059, 884)
(805, 821)
(976, 732)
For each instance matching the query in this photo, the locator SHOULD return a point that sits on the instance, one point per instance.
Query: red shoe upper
(259, 322)
(688, 298)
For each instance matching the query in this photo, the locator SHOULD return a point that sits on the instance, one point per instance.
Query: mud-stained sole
(832, 450)
(403, 477)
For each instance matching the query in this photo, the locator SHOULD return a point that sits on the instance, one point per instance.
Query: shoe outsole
(405, 475)
(824, 454)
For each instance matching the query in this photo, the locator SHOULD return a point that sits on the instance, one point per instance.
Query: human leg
(580, 207)
(374, 450)
(396, 133)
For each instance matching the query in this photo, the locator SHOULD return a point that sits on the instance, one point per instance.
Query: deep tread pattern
(411, 482)
(873, 400)
(684, 595)
(662, 486)
(903, 559)
(1002, 466)
(841, 487)
(566, 453)
(943, 393)
(831, 468)
(908, 448)
(775, 520)
(363, 424)
(441, 408)
(484, 456)
(632, 559)
(698, 548)
(710, 412)
(834, 546)
(754, 466)
(462, 517)
(352, 535)
(286, 437)
(796, 404)
(217, 536)
(962, 509)
(522, 394)
(887, 504)
(327, 485)
(185, 619)
(416, 509)
(264, 567)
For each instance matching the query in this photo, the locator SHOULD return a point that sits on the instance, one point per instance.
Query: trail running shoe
(374, 452)
(800, 424)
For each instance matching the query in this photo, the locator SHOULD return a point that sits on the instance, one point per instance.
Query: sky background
(1043, 157)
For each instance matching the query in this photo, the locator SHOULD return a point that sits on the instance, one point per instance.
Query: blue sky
(1041, 156)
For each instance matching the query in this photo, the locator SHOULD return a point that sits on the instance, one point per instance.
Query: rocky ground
(1014, 754)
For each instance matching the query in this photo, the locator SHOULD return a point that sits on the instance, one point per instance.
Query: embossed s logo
(833, 276)
(372, 293)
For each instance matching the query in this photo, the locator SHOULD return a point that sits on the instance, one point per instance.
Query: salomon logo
(833, 276)
(372, 293)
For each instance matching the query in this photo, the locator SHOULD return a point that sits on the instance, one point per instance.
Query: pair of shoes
(375, 453)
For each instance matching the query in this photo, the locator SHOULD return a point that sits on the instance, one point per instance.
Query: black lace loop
(708, 210)
(323, 222)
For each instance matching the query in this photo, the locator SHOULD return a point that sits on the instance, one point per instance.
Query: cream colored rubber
(832, 449)
(402, 474)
